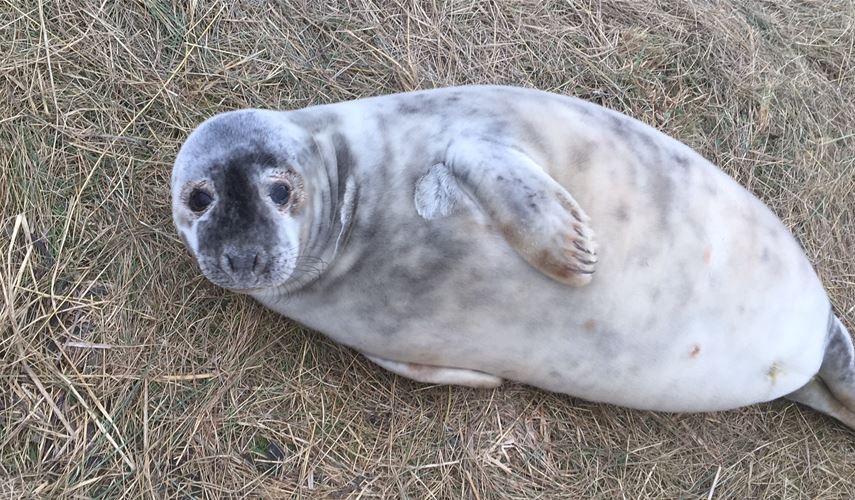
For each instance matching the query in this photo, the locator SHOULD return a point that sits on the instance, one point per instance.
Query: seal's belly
(692, 319)
(702, 300)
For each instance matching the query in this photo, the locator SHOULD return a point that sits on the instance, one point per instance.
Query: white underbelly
(717, 309)
(608, 342)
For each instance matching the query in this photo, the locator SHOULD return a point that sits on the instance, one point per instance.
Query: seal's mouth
(247, 291)
(251, 290)
(245, 287)
(246, 279)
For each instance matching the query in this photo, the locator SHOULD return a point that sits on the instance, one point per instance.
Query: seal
(469, 235)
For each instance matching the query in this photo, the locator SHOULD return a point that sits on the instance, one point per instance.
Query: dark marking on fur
(649, 324)
(646, 141)
(425, 254)
(663, 191)
(314, 120)
(497, 128)
(580, 156)
(426, 104)
(531, 135)
(618, 125)
(655, 293)
(415, 104)
(686, 289)
(680, 159)
(239, 217)
(621, 213)
(226, 128)
(608, 342)
(344, 166)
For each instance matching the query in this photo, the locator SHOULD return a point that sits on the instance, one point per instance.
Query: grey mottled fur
(441, 229)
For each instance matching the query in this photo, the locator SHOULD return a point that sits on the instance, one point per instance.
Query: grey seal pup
(474, 234)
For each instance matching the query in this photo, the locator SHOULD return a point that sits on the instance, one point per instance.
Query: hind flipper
(838, 365)
(832, 390)
(816, 395)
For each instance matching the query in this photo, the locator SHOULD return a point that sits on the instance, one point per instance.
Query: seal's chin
(251, 288)
(247, 291)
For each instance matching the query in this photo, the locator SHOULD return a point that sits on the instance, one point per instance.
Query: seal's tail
(832, 391)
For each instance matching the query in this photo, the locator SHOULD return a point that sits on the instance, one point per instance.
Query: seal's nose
(240, 263)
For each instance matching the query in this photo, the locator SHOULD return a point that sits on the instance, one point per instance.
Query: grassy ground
(123, 372)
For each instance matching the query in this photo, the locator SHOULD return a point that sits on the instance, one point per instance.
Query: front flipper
(438, 375)
(535, 214)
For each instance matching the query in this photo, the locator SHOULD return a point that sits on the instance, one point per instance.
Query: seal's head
(239, 198)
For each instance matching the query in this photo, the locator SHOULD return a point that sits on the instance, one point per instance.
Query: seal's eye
(280, 193)
(199, 200)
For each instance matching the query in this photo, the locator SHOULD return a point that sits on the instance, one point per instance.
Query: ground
(124, 373)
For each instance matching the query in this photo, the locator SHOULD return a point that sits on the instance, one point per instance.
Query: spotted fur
(439, 230)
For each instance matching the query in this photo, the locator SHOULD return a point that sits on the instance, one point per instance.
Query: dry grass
(124, 373)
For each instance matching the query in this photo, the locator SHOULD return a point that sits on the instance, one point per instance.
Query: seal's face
(238, 204)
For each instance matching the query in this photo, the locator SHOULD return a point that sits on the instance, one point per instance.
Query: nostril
(255, 263)
(229, 262)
